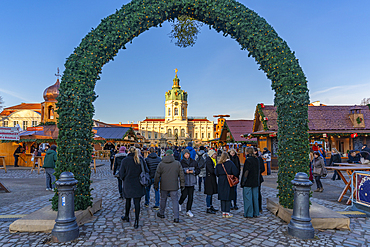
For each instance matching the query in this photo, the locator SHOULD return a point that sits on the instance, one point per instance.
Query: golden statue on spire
(176, 72)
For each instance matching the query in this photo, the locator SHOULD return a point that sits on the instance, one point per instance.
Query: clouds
(14, 94)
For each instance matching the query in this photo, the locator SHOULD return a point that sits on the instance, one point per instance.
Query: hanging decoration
(231, 18)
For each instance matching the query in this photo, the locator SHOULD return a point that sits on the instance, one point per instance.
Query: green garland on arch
(229, 17)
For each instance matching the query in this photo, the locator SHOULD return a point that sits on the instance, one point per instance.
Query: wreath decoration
(101, 45)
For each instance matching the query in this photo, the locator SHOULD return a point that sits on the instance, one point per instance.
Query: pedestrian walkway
(201, 230)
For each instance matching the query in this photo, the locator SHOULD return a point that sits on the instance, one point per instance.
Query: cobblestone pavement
(201, 230)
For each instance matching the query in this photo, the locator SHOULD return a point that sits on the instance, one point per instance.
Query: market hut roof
(113, 132)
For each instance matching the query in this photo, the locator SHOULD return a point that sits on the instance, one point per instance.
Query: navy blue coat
(225, 192)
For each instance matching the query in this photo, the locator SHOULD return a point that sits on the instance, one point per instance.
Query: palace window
(155, 136)
(5, 124)
(176, 111)
(176, 132)
(196, 135)
(25, 125)
(149, 135)
(34, 123)
(15, 123)
(202, 135)
(169, 111)
(183, 111)
(209, 135)
(169, 133)
(182, 132)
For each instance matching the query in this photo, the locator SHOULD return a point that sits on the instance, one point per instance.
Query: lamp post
(300, 225)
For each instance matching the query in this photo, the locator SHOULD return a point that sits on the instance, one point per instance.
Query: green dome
(176, 93)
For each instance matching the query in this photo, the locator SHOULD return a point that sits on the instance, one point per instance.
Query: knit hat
(211, 152)
(186, 151)
(122, 149)
(190, 144)
(169, 152)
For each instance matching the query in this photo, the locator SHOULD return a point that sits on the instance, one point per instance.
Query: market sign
(39, 128)
(9, 133)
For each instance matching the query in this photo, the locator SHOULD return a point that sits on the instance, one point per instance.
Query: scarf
(214, 161)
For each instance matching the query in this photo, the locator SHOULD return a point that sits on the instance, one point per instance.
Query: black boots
(125, 218)
(136, 224)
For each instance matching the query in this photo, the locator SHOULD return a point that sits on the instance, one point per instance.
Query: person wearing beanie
(210, 184)
(49, 165)
(200, 158)
(168, 173)
(191, 170)
(191, 150)
(116, 168)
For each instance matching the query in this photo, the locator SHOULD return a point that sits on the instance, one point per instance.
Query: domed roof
(176, 93)
(51, 93)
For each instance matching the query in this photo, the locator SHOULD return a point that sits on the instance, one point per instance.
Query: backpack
(322, 151)
(201, 160)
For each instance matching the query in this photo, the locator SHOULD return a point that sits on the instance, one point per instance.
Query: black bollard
(300, 225)
(65, 228)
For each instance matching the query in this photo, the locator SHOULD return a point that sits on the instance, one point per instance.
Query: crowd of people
(175, 173)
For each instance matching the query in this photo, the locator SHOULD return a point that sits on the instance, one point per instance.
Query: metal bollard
(65, 228)
(300, 225)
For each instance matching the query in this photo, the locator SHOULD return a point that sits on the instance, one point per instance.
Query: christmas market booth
(342, 127)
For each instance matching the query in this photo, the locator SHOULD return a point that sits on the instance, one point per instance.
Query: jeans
(147, 194)
(200, 179)
(15, 160)
(250, 198)
(259, 198)
(209, 201)
(318, 182)
(120, 186)
(50, 178)
(236, 196)
(189, 193)
(335, 175)
(268, 167)
(175, 202)
(137, 207)
(225, 206)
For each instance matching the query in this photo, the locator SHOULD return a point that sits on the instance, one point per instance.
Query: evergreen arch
(229, 17)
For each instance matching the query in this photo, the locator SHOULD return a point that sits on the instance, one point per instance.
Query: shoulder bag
(233, 180)
(144, 175)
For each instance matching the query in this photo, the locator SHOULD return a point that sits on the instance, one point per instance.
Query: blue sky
(330, 39)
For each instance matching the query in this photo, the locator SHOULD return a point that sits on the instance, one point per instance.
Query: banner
(9, 133)
(39, 128)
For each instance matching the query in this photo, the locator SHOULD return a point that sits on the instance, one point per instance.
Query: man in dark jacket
(168, 172)
(49, 165)
(117, 166)
(16, 155)
(353, 157)
(152, 162)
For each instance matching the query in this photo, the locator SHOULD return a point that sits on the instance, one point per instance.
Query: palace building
(176, 128)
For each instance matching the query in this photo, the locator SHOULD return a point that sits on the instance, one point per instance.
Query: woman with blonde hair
(335, 158)
(132, 189)
(225, 193)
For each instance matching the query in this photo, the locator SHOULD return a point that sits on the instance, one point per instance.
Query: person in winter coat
(225, 192)
(176, 153)
(17, 151)
(152, 161)
(112, 155)
(250, 183)
(235, 159)
(200, 158)
(132, 189)
(210, 184)
(262, 170)
(191, 171)
(353, 157)
(317, 171)
(335, 158)
(49, 165)
(267, 157)
(191, 150)
(168, 172)
(116, 168)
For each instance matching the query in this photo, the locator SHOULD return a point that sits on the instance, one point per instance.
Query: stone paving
(201, 230)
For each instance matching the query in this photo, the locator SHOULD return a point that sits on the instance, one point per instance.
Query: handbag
(233, 180)
(144, 176)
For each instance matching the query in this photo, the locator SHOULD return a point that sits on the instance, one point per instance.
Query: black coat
(211, 181)
(251, 165)
(225, 192)
(130, 175)
(152, 162)
(262, 168)
(236, 161)
(118, 162)
(335, 159)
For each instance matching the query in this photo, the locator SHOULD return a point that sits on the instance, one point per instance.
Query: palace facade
(176, 128)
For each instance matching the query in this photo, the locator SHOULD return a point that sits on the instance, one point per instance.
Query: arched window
(50, 112)
(169, 133)
(176, 111)
(183, 112)
(176, 131)
(182, 132)
(169, 111)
